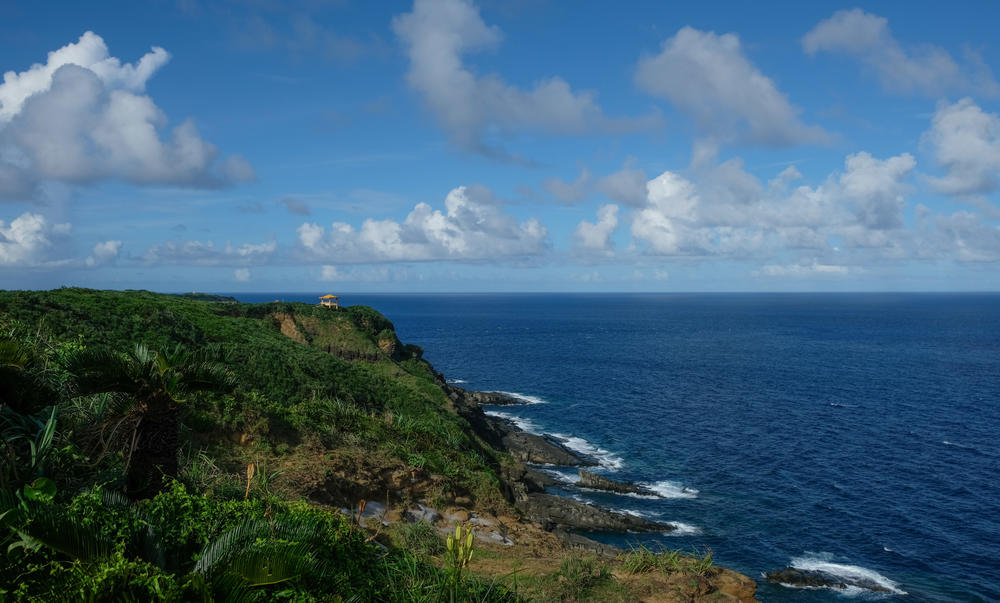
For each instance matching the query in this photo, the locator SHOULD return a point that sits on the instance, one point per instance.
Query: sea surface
(856, 433)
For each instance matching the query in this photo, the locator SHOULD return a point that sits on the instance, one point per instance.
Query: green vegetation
(167, 448)
(189, 448)
(640, 560)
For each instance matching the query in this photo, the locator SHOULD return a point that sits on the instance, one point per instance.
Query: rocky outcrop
(791, 576)
(597, 482)
(531, 448)
(505, 435)
(560, 512)
(492, 398)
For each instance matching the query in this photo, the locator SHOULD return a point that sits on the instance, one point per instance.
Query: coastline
(526, 485)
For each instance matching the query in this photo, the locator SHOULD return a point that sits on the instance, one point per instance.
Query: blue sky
(451, 145)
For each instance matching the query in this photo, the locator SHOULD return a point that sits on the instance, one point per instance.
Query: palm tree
(154, 381)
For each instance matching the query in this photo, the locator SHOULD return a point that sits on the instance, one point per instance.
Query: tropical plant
(155, 382)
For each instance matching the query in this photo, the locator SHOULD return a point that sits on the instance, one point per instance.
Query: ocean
(854, 433)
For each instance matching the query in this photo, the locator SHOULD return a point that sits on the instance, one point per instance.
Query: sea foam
(525, 425)
(605, 458)
(524, 397)
(670, 489)
(855, 574)
(683, 529)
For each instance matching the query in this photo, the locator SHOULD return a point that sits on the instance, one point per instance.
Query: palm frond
(273, 565)
(206, 376)
(63, 534)
(98, 371)
(220, 549)
(14, 353)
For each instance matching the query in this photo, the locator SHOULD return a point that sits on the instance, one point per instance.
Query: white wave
(639, 514)
(523, 397)
(671, 489)
(848, 573)
(638, 495)
(605, 458)
(456, 381)
(683, 529)
(560, 475)
(526, 425)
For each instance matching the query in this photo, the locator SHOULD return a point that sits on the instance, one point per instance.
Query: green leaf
(41, 490)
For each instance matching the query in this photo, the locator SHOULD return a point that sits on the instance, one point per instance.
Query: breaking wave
(605, 458)
(670, 489)
(856, 577)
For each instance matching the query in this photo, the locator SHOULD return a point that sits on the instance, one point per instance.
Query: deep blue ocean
(857, 433)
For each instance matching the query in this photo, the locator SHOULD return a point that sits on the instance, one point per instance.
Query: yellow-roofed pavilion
(330, 301)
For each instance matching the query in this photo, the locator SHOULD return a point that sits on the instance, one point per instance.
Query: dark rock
(531, 448)
(597, 482)
(537, 481)
(559, 512)
(493, 398)
(817, 579)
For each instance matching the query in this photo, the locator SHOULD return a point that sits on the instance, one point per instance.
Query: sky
(518, 145)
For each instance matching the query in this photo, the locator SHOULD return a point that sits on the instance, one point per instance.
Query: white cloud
(596, 237)
(472, 227)
(875, 187)
(964, 236)
(709, 77)
(31, 241)
(27, 240)
(726, 211)
(965, 141)
(667, 224)
(205, 253)
(438, 33)
(82, 116)
(927, 69)
(241, 274)
(104, 253)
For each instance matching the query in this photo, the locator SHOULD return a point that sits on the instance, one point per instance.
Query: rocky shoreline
(527, 487)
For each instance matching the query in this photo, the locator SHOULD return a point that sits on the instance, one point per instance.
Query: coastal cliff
(330, 408)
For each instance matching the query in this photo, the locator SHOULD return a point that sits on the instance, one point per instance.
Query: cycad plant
(155, 381)
(255, 553)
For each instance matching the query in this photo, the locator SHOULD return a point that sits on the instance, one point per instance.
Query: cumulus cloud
(438, 33)
(472, 227)
(205, 253)
(709, 77)
(83, 116)
(962, 235)
(965, 141)
(596, 236)
(241, 274)
(27, 240)
(926, 69)
(31, 241)
(726, 211)
(104, 253)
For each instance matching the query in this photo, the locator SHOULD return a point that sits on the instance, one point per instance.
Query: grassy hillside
(328, 408)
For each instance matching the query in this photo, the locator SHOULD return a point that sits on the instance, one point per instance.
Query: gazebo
(330, 301)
